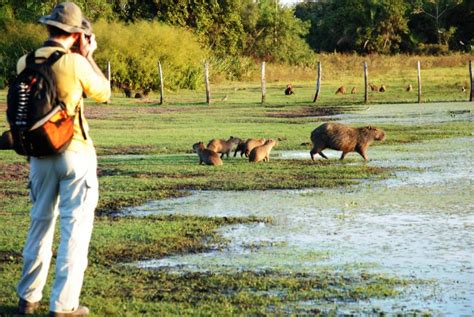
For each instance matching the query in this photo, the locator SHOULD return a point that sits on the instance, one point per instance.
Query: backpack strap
(78, 111)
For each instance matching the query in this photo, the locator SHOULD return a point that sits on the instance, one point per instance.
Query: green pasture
(145, 153)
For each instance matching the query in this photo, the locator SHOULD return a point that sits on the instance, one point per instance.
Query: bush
(18, 38)
(134, 51)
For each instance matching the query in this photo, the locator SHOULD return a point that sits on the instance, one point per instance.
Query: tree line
(233, 34)
(266, 29)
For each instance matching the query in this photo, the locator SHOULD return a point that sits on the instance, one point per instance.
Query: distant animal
(251, 143)
(223, 146)
(289, 90)
(262, 152)
(206, 156)
(146, 91)
(138, 95)
(343, 138)
(354, 90)
(409, 88)
(341, 90)
(240, 148)
(6, 140)
(373, 87)
(127, 92)
(382, 88)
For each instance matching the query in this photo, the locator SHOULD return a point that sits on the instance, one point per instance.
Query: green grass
(128, 126)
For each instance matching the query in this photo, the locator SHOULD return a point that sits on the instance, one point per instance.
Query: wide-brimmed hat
(68, 17)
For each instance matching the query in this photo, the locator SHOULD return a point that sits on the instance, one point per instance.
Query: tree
(437, 10)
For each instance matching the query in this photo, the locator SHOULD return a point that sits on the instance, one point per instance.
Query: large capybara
(343, 138)
(222, 146)
(252, 143)
(6, 141)
(206, 156)
(262, 152)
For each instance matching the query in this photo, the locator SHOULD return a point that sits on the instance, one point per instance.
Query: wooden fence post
(318, 83)
(366, 83)
(162, 94)
(109, 77)
(109, 71)
(264, 88)
(419, 81)
(471, 80)
(206, 79)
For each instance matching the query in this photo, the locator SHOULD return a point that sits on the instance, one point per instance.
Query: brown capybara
(373, 87)
(240, 148)
(382, 88)
(207, 156)
(341, 90)
(6, 141)
(251, 143)
(262, 152)
(289, 90)
(354, 90)
(222, 146)
(343, 138)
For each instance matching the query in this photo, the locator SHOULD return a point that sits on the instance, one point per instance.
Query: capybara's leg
(222, 155)
(343, 155)
(363, 154)
(322, 154)
(312, 153)
(235, 153)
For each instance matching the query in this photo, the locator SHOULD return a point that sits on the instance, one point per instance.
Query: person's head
(66, 20)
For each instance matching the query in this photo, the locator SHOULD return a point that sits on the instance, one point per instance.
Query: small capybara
(343, 138)
(289, 90)
(262, 152)
(206, 156)
(354, 90)
(240, 148)
(6, 140)
(251, 143)
(127, 92)
(373, 87)
(382, 88)
(341, 90)
(223, 146)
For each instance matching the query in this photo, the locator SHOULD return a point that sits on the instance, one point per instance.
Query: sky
(289, 2)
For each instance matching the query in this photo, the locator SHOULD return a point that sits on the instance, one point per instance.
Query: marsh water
(417, 224)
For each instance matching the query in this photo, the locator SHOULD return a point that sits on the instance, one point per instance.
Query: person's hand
(88, 45)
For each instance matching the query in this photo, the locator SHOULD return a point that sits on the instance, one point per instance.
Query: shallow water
(417, 224)
(408, 114)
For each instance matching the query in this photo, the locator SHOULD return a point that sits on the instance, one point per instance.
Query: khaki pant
(64, 185)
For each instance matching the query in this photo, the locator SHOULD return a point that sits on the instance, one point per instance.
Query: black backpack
(39, 122)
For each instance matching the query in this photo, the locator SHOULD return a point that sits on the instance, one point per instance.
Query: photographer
(64, 184)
